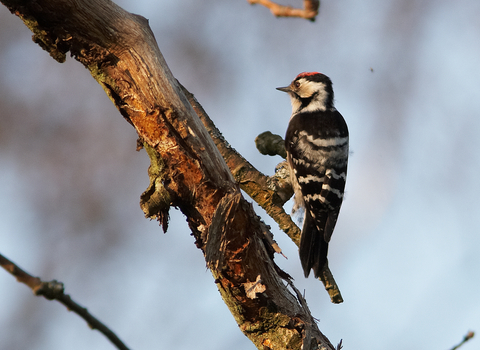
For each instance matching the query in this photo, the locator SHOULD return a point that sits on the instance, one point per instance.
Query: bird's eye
(297, 84)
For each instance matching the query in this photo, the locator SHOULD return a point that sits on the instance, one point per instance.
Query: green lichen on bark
(155, 201)
(273, 331)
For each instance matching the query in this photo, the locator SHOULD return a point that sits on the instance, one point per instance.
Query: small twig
(466, 338)
(310, 10)
(54, 290)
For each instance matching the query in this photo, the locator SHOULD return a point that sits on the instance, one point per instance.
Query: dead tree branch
(309, 11)
(187, 170)
(54, 290)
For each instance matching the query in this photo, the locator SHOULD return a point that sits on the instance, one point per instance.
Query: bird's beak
(285, 89)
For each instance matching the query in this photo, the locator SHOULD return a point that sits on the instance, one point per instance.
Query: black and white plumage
(317, 152)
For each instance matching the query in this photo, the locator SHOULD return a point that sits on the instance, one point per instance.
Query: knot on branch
(50, 290)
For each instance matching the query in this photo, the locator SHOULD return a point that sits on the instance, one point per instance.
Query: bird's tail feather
(313, 247)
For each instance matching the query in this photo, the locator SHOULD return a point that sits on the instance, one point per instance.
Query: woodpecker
(317, 153)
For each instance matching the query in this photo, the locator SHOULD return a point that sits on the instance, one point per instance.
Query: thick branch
(121, 53)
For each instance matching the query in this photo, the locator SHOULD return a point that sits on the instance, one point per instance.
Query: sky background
(405, 252)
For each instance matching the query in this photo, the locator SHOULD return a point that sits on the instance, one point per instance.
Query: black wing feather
(306, 160)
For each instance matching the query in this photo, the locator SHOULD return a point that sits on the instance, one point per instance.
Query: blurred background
(405, 252)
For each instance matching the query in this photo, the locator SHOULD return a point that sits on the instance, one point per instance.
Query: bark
(187, 170)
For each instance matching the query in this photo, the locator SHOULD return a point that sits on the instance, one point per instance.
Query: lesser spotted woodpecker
(317, 152)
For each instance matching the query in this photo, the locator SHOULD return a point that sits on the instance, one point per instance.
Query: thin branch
(54, 290)
(309, 11)
(466, 338)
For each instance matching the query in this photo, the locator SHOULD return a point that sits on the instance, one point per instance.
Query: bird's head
(310, 92)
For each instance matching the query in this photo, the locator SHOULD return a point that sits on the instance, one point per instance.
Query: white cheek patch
(308, 88)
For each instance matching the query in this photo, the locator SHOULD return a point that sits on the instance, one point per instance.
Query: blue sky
(405, 250)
